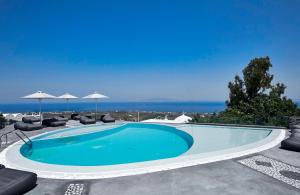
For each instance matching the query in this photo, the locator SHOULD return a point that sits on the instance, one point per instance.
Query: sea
(202, 107)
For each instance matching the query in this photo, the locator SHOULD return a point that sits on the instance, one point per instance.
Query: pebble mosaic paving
(273, 168)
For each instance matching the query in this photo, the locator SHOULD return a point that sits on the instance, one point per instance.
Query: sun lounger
(86, 120)
(53, 122)
(294, 120)
(14, 181)
(30, 119)
(75, 117)
(295, 126)
(295, 130)
(61, 118)
(1, 166)
(296, 134)
(27, 126)
(292, 143)
(107, 118)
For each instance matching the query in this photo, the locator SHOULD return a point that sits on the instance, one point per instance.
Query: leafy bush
(2, 121)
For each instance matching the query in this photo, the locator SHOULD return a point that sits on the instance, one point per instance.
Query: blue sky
(144, 50)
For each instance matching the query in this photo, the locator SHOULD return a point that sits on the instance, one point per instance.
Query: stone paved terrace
(223, 177)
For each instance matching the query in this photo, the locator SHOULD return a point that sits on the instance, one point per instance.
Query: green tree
(257, 77)
(237, 93)
(254, 97)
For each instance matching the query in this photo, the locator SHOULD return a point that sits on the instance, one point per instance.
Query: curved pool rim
(12, 158)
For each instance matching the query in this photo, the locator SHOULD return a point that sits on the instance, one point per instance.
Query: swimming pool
(102, 151)
(124, 144)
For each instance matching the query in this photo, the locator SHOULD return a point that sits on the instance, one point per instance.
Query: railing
(5, 135)
(6, 138)
(29, 142)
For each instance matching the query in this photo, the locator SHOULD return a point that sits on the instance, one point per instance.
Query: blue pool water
(124, 144)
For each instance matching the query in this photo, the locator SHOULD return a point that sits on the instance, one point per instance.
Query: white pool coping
(12, 158)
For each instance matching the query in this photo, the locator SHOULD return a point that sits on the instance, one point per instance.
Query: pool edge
(137, 168)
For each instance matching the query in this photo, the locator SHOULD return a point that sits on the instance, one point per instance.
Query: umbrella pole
(96, 110)
(40, 102)
(67, 105)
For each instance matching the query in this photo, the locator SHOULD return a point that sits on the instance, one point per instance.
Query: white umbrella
(67, 97)
(183, 119)
(39, 96)
(96, 96)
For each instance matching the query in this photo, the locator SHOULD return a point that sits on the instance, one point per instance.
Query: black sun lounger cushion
(27, 126)
(13, 182)
(2, 166)
(295, 130)
(32, 127)
(297, 134)
(295, 126)
(292, 143)
(107, 118)
(75, 116)
(30, 119)
(53, 122)
(61, 118)
(86, 120)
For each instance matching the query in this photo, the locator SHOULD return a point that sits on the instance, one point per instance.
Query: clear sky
(144, 50)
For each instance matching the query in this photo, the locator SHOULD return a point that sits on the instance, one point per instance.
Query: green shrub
(2, 121)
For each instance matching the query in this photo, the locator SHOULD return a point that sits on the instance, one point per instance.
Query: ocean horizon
(202, 107)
